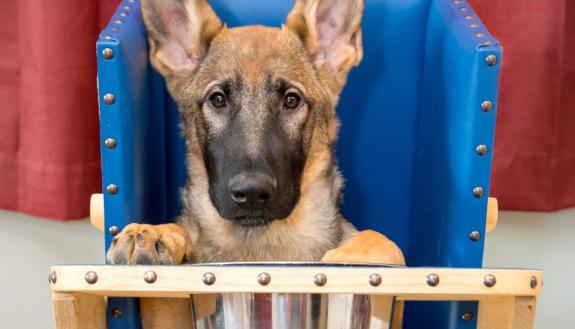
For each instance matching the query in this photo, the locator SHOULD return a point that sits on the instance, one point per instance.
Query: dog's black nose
(252, 190)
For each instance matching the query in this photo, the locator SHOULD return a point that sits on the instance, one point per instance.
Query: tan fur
(310, 54)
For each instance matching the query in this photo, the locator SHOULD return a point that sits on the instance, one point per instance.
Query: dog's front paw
(166, 244)
(366, 247)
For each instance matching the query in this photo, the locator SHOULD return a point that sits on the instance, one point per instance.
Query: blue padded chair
(413, 115)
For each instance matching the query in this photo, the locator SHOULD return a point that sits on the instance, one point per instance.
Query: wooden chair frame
(507, 297)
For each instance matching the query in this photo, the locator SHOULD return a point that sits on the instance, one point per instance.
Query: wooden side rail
(506, 296)
(97, 212)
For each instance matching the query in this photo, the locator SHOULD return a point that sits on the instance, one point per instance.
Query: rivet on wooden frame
(150, 277)
(374, 279)
(264, 278)
(320, 279)
(489, 280)
(53, 277)
(432, 279)
(209, 278)
(91, 277)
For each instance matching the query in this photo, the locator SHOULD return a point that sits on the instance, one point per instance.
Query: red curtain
(49, 158)
(534, 158)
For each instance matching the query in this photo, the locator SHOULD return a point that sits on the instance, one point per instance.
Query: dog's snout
(252, 191)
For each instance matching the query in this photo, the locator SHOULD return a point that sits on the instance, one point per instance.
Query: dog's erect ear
(331, 31)
(179, 32)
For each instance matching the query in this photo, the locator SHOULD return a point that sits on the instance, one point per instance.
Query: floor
(30, 245)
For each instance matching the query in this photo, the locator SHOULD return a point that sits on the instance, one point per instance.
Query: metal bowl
(291, 310)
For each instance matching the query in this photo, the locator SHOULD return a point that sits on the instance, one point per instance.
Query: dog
(259, 120)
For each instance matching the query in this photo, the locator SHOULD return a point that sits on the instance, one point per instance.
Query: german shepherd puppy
(258, 110)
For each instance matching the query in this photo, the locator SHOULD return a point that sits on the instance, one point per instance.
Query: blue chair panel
(411, 120)
(378, 110)
(456, 80)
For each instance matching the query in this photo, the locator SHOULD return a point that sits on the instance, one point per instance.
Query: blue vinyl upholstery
(411, 119)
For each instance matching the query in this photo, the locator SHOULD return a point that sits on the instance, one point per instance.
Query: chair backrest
(411, 115)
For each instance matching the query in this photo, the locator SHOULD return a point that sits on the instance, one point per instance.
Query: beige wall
(547, 242)
(29, 246)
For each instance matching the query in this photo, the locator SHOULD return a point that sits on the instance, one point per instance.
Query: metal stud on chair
(481, 149)
(209, 278)
(109, 98)
(53, 277)
(478, 191)
(432, 279)
(117, 313)
(491, 60)
(374, 279)
(467, 316)
(320, 279)
(533, 282)
(91, 277)
(474, 236)
(108, 53)
(150, 277)
(112, 189)
(489, 280)
(110, 143)
(486, 106)
(264, 278)
(113, 230)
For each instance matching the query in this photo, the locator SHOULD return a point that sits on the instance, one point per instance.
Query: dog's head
(258, 103)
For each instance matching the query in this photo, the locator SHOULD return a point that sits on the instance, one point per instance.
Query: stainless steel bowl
(291, 310)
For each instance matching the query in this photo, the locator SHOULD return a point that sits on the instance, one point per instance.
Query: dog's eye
(291, 101)
(218, 100)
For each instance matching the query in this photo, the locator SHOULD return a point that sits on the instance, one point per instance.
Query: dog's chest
(276, 247)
